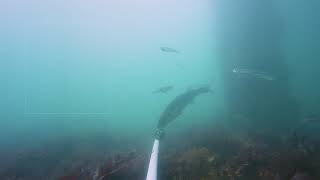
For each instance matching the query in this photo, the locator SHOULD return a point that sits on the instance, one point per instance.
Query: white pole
(153, 164)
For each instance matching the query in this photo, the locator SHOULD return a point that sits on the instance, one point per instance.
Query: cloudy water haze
(85, 80)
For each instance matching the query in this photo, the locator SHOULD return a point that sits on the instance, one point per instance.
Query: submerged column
(250, 37)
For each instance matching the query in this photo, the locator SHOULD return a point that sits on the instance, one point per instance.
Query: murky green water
(84, 69)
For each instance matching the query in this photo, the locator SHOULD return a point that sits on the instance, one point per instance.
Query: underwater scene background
(85, 83)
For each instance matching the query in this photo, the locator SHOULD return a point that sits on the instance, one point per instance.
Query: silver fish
(310, 119)
(168, 49)
(257, 74)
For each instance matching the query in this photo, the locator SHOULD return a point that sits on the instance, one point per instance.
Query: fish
(169, 50)
(310, 119)
(164, 89)
(257, 74)
(301, 176)
(305, 122)
(175, 108)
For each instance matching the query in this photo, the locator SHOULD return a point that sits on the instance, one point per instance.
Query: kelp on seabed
(220, 155)
(260, 157)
